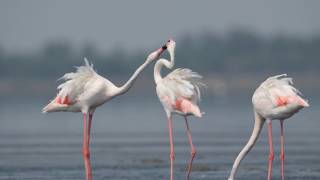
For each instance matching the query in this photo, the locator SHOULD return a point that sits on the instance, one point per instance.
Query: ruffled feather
(281, 86)
(75, 82)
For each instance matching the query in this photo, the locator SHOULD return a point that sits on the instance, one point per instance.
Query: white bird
(275, 99)
(84, 90)
(179, 93)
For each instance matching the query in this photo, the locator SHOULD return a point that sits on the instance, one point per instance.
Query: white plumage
(84, 90)
(75, 82)
(185, 83)
(181, 84)
(179, 92)
(277, 98)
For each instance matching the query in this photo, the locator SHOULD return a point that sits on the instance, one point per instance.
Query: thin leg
(171, 146)
(85, 149)
(271, 154)
(89, 129)
(282, 150)
(193, 149)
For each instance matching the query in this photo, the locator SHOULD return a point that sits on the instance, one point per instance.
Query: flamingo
(275, 99)
(84, 90)
(179, 94)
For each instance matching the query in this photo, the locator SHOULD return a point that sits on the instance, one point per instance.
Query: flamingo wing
(277, 98)
(73, 87)
(180, 90)
(280, 91)
(75, 83)
(184, 83)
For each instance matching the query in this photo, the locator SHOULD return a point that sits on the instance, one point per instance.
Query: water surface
(130, 141)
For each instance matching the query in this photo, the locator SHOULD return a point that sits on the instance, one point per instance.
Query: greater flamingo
(84, 90)
(275, 99)
(179, 93)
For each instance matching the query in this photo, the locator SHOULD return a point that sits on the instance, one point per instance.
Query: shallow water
(130, 141)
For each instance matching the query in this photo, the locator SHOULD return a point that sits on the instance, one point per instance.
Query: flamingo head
(156, 54)
(171, 45)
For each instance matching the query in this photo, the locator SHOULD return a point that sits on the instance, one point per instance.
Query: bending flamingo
(275, 99)
(84, 90)
(179, 93)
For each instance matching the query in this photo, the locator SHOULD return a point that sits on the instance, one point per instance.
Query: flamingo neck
(258, 124)
(158, 66)
(124, 88)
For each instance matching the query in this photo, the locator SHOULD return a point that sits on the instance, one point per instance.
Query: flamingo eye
(169, 40)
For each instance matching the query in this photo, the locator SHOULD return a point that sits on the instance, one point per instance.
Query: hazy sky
(132, 24)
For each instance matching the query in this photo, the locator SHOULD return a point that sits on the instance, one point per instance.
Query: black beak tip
(164, 47)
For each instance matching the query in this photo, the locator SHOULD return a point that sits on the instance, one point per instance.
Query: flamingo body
(179, 92)
(84, 90)
(275, 99)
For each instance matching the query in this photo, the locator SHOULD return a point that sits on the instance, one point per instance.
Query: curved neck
(124, 88)
(158, 67)
(258, 123)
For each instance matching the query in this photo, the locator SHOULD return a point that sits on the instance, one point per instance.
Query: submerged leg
(282, 150)
(85, 149)
(193, 149)
(271, 153)
(171, 146)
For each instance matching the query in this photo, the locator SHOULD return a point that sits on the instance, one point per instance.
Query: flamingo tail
(54, 107)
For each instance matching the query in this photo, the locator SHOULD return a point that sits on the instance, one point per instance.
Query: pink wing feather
(282, 92)
(179, 91)
(72, 88)
(277, 98)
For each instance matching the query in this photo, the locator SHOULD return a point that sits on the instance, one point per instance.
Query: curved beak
(164, 47)
(161, 50)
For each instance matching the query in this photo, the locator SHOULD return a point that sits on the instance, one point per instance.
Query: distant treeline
(235, 51)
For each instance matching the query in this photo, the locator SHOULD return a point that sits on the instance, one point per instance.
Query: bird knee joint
(282, 156)
(193, 152)
(86, 153)
(172, 156)
(271, 156)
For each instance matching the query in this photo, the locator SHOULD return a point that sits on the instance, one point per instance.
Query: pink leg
(282, 150)
(193, 149)
(271, 154)
(85, 149)
(89, 130)
(171, 146)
